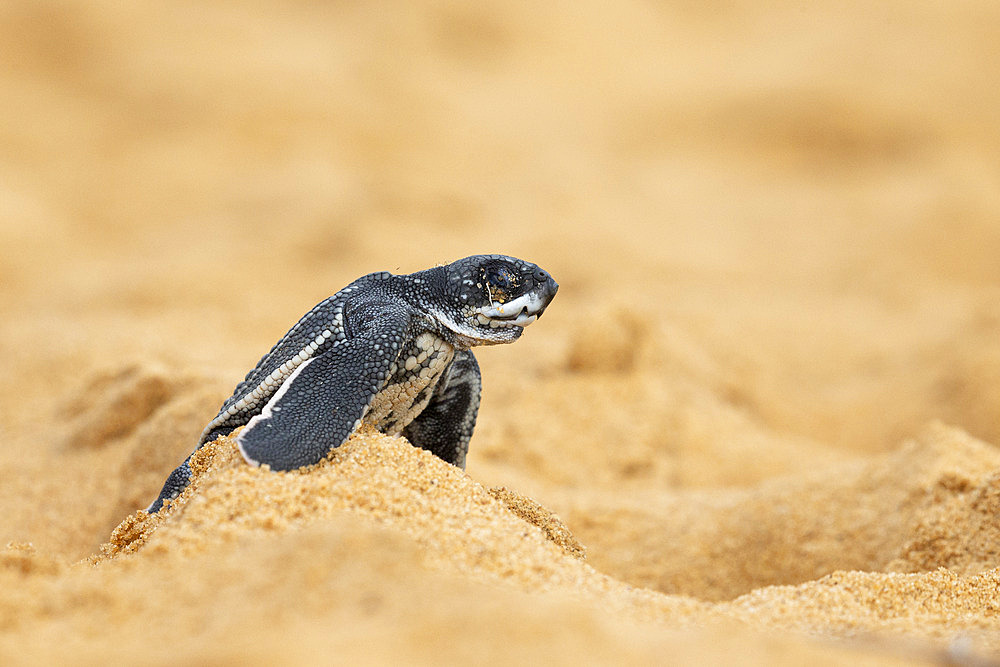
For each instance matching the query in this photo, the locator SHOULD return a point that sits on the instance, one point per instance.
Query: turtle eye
(501, 284)
(501, 279)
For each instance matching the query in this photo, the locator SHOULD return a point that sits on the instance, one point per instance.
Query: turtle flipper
(322, 402)
(176, 482)
(445, 426)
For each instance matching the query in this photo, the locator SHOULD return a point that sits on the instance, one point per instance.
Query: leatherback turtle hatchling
(389, 351)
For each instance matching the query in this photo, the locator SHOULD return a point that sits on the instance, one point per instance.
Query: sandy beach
(759, 424)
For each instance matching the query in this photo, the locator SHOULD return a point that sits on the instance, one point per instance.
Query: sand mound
(958, 529)
(959, 612)
(458, 524)
(927, 503)
(336, 591)
(381, 529)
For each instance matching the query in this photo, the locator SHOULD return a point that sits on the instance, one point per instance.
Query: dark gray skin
(389, 351)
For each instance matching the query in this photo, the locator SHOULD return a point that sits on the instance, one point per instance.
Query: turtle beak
(546, 292)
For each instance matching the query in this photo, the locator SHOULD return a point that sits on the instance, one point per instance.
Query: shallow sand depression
(757, 425)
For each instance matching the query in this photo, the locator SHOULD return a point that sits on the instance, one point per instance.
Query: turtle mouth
(521, 319)
(519, 312)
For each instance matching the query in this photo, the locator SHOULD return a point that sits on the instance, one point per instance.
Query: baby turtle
(389, 351)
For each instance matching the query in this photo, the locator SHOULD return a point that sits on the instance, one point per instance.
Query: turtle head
(491, 298)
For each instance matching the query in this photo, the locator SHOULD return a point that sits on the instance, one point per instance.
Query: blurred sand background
(763, 401)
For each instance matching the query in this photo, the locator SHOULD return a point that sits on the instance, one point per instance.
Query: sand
(758, 425)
